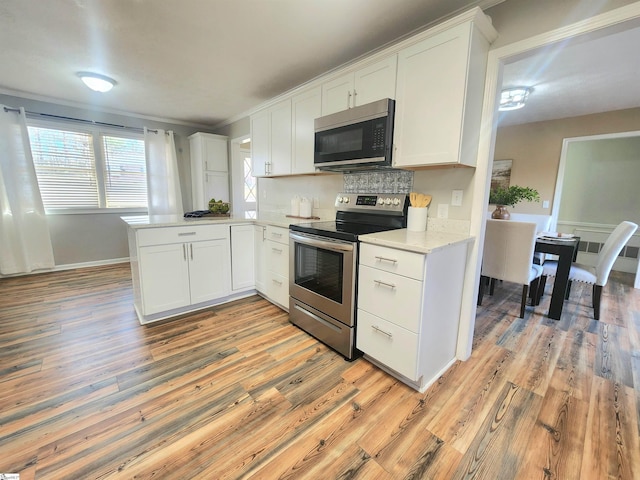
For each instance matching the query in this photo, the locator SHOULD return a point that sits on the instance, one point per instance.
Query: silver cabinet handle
(191, 250)
(380, 282)
(377, 329)
(349, 99)
(206, 165)
(276, 234)
(385, 259)
(276, 281)
(354, 97)
(184, 251)
(186, 234)
(276, 250)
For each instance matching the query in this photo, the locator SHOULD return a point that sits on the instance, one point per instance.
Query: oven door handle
(318, 242)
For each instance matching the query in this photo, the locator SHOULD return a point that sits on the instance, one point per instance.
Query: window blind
(65, 168)
(125, 175)
(88, 169)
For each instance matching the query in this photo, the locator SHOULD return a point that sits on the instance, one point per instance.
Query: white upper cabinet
(365, 85)
(305, 108)
(439, 98)
(209, 169)
(271, 140)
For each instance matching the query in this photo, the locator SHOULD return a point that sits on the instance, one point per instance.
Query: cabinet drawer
(161, 236)
(388, 343)
(404, 263)
(393, 297)
(278, 258)
(278, 289)
(278, 234)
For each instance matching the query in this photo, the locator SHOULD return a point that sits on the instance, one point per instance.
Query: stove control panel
(373, 202)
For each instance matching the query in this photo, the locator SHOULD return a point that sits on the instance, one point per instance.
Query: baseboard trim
(72, 266)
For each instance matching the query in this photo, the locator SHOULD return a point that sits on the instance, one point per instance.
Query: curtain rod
(80, 120)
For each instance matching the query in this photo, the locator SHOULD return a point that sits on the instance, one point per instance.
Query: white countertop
(419, 242)
(152, 221)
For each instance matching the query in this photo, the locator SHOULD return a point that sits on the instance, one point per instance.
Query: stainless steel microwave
(355, 139)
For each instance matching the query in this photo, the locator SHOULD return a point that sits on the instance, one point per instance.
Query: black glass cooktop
(340, 230)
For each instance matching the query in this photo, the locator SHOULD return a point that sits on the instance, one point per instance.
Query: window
(250, 187)
(89, 169)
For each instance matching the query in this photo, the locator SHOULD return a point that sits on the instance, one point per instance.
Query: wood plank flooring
(238, 392)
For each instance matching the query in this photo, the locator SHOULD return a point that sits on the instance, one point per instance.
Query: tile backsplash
(378, 181)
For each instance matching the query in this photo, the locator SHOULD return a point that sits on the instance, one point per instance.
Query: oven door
(323, 274)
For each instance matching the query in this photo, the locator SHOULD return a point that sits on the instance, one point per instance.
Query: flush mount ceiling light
(97, 82)
(513, 98)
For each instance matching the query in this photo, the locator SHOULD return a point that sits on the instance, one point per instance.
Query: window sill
(94, 211)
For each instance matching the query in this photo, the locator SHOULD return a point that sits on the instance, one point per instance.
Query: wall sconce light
(513, 98)
(97, 82)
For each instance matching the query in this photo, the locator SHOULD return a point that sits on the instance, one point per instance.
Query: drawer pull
(385, 259)
(276, 234)
(185, 234)
(276, 281)
(276, 250)
(184, 251)
(380, 282)
(378, 329)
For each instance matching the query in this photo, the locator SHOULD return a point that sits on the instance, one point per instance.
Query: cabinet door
(430, 99)
(281, 139)
(164, 277)
(261, 258)
(260, 142)
(242, 257)
(336, 94)
(216, 185)
(375, 82)
(215, 153)
(209, 265)
(305, 108)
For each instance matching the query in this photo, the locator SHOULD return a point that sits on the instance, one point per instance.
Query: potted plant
(508, 197)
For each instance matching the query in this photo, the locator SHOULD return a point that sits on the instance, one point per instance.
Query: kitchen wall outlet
(456, 198)
(443, 210)
(545, 204)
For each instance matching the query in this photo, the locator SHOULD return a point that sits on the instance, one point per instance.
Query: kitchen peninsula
(182, 265)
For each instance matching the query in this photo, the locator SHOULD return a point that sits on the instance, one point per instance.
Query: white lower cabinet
(179, 269)
(409, 310)
(260, 253)
(277, 261)
(242, 257)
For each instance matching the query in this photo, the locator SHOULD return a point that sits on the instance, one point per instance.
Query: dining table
(566, 249)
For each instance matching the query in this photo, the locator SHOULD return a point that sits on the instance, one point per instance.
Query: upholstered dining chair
(508, 256)
(597, 275)
(543, 224)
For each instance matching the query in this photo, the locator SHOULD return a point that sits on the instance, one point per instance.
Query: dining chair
(508, 256)
(594, 275)
(543, 224)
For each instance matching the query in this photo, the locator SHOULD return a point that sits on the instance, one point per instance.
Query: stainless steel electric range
(324, 265)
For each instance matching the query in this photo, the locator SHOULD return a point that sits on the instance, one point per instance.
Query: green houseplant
(508, 197)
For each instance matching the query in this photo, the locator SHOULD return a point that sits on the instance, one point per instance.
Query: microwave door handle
(316, 242)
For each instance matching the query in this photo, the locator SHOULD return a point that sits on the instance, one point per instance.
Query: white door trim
(619, 19)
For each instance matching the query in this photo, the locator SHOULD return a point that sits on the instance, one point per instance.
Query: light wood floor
(237, 392)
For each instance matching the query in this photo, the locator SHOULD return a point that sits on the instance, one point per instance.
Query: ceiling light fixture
(513, 98)
(97, 82)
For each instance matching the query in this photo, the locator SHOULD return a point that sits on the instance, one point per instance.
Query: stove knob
(380, 201)
(345, 199)
(396, 201)
(387, 201)
(339, 200)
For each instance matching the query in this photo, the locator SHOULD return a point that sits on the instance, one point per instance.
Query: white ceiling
(206, 61)
(579, 78)
(197, 61)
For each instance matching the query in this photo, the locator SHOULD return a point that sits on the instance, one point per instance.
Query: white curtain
(163, 181)
(25, 242)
